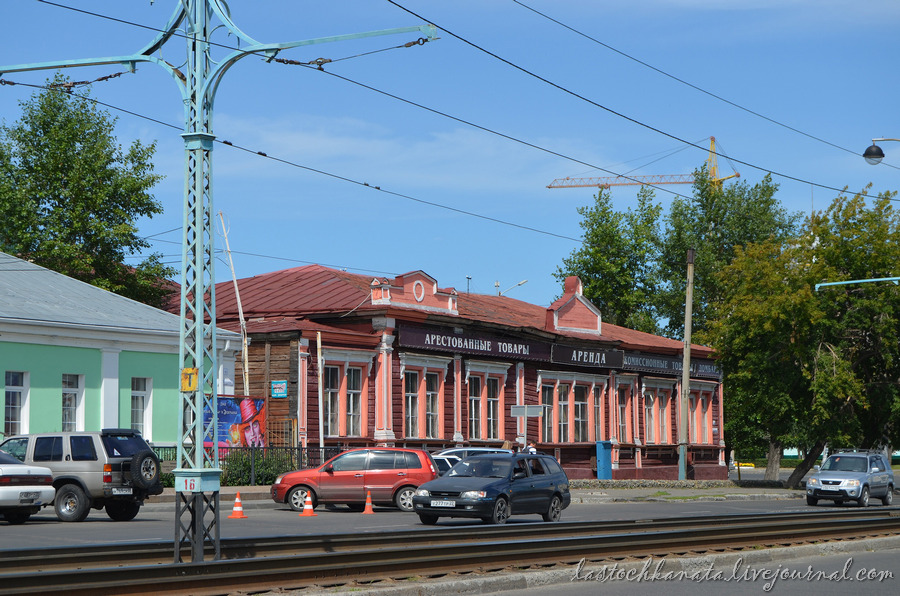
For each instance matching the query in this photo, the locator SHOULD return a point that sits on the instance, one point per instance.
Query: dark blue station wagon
(493, 487)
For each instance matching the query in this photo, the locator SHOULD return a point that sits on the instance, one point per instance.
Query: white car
(464, 452)
(24, 489)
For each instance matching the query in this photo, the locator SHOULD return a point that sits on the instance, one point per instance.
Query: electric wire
(608, 109)
(687, 83)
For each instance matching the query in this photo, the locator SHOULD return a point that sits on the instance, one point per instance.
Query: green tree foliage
(805, 367)
(715, 221)
(616, 262)
(70, 195)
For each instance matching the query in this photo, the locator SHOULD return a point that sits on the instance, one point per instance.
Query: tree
(70, 196)
(616, 262)
(805, 367)
(714, 222)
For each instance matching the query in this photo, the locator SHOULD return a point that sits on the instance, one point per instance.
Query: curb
(522, 580)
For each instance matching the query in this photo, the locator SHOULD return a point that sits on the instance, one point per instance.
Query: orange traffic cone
(238, 511)
(308, 508)
(368, 509)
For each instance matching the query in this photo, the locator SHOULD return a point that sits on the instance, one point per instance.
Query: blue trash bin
(604, 460)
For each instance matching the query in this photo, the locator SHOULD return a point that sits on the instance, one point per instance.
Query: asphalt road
(158, 522)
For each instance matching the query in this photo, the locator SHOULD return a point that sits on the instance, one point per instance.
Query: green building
(76, 357)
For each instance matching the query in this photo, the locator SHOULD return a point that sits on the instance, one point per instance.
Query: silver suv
(852, 476)
(113, 469)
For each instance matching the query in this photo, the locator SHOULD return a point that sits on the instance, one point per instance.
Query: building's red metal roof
(283, 299)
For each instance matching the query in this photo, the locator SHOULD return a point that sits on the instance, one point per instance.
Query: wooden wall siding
(449, 392)
(397, 397)
(640, 432)
(508, 424)
(312, 398)
(532, 398)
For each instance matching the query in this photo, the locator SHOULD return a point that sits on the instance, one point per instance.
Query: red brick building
(404, 362)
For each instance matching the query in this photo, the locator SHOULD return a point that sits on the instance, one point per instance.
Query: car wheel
(145, 469)
(863, 500)
(296, 497)
(501, 512)
(404, 498)
(71, 503)
(812, 501)
(554, 510)
(16, 518)
(428, 519)
(122, 510)
(888, 497)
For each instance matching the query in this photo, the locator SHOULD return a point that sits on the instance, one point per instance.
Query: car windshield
(482, 468)
(837, 463)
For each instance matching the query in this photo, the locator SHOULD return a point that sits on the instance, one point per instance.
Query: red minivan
(390, 474)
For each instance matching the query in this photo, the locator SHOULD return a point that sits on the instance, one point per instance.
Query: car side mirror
(816, 467)
(329, 468)
(518, 475)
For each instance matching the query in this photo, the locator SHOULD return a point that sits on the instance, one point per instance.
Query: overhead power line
(605, 108)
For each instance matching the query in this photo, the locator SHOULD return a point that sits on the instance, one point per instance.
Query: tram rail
(333, 559)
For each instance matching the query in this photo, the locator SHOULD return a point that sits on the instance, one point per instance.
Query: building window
(692, 402)
(599, 435)
(649, 420)
(432, 405)
(624, 426)
(15, 400)
(423, 399)
(354, 402)
(332, 399)
(343, 410)
(140, 405)
(704, 422)
(581, 414)
(71, 401)
(547, 402)
(663, 400)
(493, 408)
(411, 403)
(474, 407)
(562, 416)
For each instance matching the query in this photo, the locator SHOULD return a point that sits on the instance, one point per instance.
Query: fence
(251, 466)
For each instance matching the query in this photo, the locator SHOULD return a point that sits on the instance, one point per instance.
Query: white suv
(113, 469)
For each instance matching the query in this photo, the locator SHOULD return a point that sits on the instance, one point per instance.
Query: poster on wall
(241, 421)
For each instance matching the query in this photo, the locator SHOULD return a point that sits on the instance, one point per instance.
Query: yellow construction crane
(712, 166)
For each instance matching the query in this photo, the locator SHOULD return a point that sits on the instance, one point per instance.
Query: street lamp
(874, 154)
(521, 283)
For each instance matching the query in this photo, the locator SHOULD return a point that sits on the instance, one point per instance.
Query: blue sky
(559, 102)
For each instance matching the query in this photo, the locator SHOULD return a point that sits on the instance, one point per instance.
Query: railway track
(332, 559)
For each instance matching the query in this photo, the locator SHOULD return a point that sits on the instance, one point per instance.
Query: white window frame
(484, 370)
(146, 413)
(411, 403)
(427, 366)
(22, 409)
(78, 391)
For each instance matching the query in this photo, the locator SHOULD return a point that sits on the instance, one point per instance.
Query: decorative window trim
(426, 363)
(336, 356)
(573, 378)
(493, 369)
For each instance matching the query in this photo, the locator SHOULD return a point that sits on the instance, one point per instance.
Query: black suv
(113, 469)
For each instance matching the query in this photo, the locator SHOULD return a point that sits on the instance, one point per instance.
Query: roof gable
(416, 290)
(574, 312)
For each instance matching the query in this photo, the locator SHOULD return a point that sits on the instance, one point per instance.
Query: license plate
(121, 491)
(436, 503)
(29, 495)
